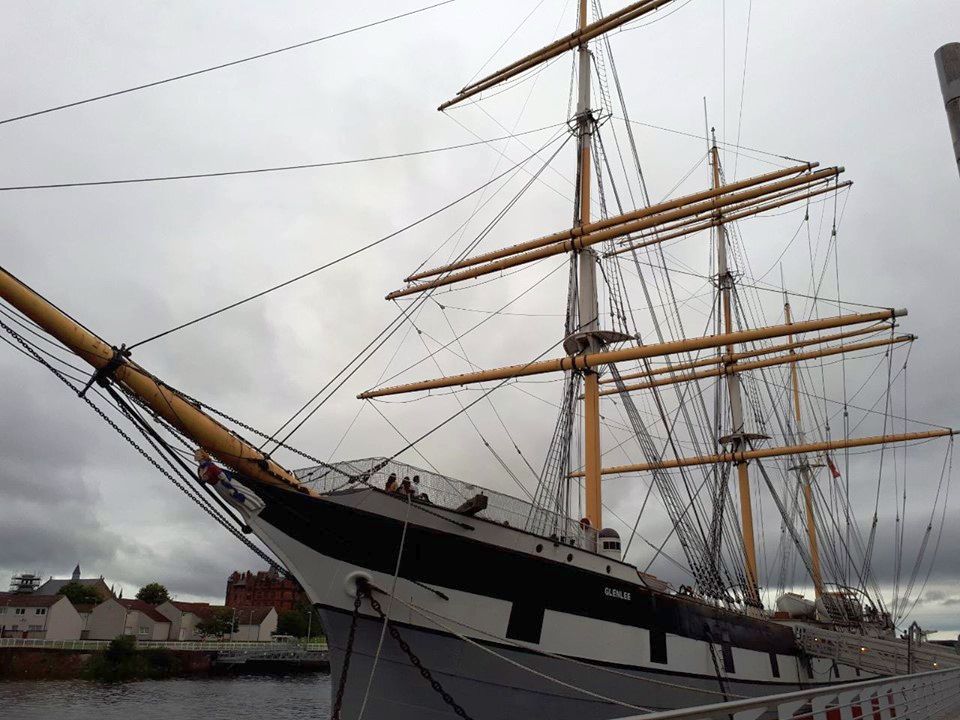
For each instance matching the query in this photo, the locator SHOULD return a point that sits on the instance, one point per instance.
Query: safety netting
(440, 490)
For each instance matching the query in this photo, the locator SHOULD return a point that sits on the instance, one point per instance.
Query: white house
(45, 617)
(127, 617)
(184, 618)
(255, 624)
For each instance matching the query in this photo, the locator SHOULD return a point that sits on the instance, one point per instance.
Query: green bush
(122, 661)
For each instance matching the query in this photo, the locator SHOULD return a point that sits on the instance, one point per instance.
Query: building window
(34, 628)
(3, 610)
(40, 611)
(144, 630)
(20, 611)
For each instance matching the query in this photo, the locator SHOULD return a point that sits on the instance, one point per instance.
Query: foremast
(737, 438)
(588, 307)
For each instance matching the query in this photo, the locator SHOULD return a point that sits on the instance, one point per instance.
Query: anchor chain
(342, 684)
(415, 661)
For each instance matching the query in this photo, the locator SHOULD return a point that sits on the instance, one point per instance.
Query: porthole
(570, 557)
(539, 548)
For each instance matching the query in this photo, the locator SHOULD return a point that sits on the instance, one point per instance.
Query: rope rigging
(222, 66)
(274, 168)
(177, 476)
(338, 260)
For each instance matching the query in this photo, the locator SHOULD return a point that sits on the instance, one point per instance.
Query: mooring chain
(414, 660)
(342, 684)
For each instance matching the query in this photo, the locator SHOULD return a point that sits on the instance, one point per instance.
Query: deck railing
(924, 696)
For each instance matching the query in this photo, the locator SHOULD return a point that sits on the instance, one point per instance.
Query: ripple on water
(234, 698)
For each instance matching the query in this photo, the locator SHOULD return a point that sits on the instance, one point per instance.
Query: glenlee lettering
(614, 593)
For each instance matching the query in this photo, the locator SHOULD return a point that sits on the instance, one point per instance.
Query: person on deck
(418, 494)
(391, 485)
(405, 487)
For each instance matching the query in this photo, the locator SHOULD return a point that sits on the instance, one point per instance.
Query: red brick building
(264, 588)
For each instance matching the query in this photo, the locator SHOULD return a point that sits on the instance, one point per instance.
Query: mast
(587, 304)
(737, 436)
(803, 468)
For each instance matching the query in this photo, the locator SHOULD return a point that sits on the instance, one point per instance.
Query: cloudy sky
(851, 84)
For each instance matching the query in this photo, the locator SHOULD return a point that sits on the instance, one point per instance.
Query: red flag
(834, 473)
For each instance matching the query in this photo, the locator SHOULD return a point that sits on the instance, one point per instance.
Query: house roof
(253, 615)
(144, 608)
(201, 610)
(52, 587)
(27, 600)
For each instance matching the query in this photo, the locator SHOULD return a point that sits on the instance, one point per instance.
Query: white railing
(210, 646)
(925, 696)
(885, 657)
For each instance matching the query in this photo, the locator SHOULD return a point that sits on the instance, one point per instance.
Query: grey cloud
(134, 260)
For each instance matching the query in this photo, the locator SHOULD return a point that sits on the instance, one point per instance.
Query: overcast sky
(842, 83)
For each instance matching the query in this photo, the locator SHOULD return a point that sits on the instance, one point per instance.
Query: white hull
(618, 662)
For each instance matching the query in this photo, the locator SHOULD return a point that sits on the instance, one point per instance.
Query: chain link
(342, 684)
(415, 661)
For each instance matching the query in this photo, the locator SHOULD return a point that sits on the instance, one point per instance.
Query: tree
(153, 593)
(79, 594)
(292, 622)
(220, 623)
(298, 622)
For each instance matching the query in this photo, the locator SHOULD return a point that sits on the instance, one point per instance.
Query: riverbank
(132, 663)
(58, 664)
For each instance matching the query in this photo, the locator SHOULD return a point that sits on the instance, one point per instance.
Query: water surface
(231, 698)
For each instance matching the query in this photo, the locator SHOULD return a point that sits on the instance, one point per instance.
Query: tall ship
(443, 598)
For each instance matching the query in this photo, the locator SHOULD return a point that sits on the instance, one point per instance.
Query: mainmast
(737, 437)
(587, 303)
(803, 468)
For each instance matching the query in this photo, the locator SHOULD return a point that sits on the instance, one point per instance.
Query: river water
(232, 698)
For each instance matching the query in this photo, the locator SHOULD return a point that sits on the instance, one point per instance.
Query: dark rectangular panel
(658, 646)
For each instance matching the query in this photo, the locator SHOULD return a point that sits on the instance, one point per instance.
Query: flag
(834, 473)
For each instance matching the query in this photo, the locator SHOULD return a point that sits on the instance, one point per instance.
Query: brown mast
(803, 467)
(737, 434)
(587, 305)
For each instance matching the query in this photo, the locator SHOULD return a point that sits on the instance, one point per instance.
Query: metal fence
(209, 646)
(925, 696)
(442, 490)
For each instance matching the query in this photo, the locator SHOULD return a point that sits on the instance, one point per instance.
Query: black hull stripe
(783, 685)
(369, 540)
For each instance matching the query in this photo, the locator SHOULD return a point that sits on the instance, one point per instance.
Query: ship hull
(490, 686)
(511, 624)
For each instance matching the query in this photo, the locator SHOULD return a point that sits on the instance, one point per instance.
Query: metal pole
(948, 68)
